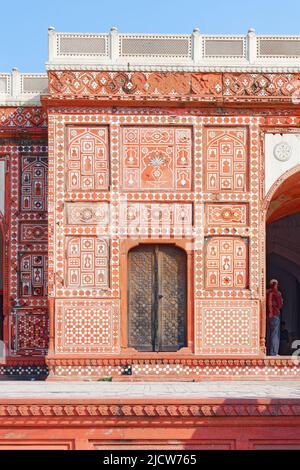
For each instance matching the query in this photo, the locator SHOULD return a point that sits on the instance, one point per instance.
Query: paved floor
(97, 390)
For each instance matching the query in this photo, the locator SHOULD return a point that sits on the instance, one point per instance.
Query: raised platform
(105, 415)
(152, 390)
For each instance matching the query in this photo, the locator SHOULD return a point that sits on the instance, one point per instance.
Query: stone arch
(281, 217)
(277, 185)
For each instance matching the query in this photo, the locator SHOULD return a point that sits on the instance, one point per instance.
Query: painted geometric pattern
(91, 213)
(87, 262)
(235, 369)
(226, 159)
(33, 275)
(34, 184)
(226, 263)
(107, 84)
(28, 245)
(23, 118)
(34, 232)
(227, 327)
(146, 196)
(176, 85)
(227, 214)
(87, 159)
(31, 333)
(156, 159)
(156, 218)
(87, 326)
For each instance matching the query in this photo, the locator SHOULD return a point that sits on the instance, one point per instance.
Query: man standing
(274, 305)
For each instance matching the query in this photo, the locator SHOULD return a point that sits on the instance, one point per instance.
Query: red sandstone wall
(101, 177)
(26, 329)
(149, 433)
(108, 160)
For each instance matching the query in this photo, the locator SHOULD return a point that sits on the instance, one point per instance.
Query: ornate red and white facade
(144, 140)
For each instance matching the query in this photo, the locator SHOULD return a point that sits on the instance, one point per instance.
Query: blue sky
(23, 24)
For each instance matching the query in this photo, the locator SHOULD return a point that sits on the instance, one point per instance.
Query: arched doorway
(157, 298)
(283, 254)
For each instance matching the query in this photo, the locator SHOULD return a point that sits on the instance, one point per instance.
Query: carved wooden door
(157, 298)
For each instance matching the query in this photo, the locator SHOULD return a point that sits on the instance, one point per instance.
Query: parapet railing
(118, 51)
(176, 50)
(17, 88)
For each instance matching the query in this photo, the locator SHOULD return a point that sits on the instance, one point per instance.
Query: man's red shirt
(274, 302)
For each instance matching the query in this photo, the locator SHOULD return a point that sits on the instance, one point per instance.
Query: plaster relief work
(26, 284)
(227, 214)
(226, 160)
(157, 159)
(87, 261)
(226, 263)
(87, 159)
(92, 213)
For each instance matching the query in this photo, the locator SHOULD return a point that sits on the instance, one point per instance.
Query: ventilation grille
(176, 47)
(279, 48)
(83, 45)
(224, 48)
(35, 85)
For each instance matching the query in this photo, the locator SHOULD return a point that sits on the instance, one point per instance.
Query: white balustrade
(119, 51)
(160, 52)
(18, 88)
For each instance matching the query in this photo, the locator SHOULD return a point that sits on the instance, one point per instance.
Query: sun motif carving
(157, 167)
(157, 161)
(157, 158)
(283, 152)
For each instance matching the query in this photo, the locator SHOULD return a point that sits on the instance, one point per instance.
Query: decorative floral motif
(156, 158)
(176, 85)
(28, 272)
(23, 118)
(227, 214)
(283, 152)
(226, 263)
(226, 160)
(92, 213)
(87, 262)
(87, 160)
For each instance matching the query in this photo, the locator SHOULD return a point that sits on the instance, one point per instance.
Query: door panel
(157, 298)
(172, 298)
(141, 298)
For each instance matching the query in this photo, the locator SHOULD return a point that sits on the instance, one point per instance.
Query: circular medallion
(282, 152)
(227, 214)
(86, 214)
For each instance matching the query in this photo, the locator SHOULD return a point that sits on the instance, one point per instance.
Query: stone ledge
(149, 408)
